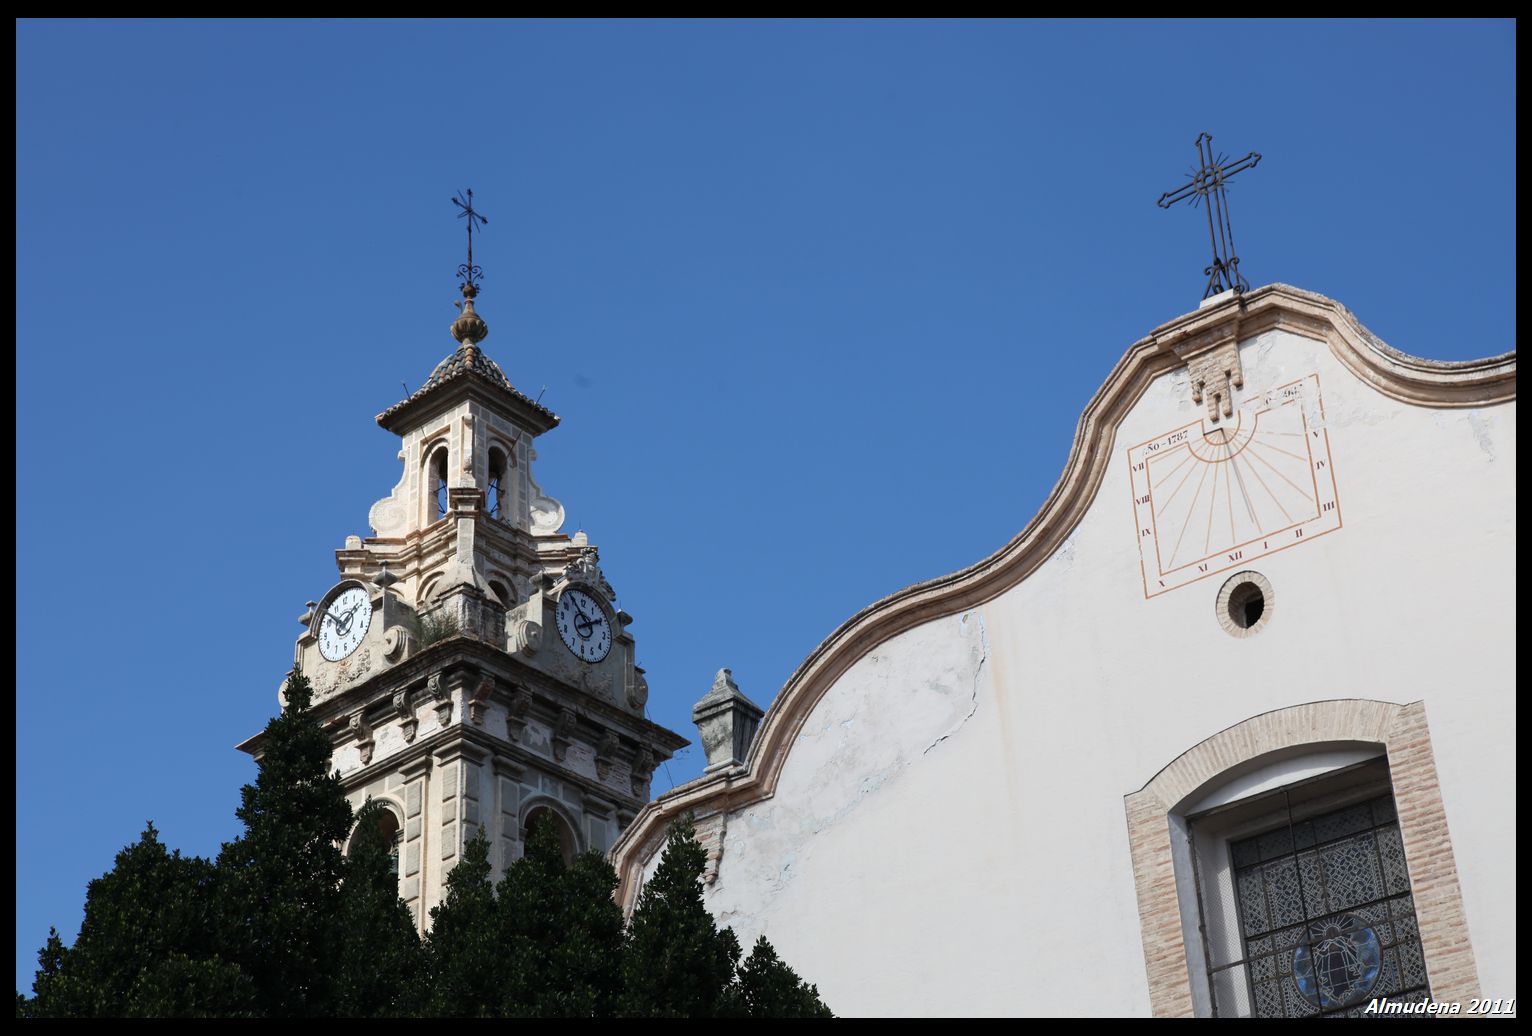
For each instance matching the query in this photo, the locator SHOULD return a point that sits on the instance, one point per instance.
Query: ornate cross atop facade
(1207, 186)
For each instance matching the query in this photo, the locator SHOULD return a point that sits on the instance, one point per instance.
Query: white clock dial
(344, 623)
(584, 626)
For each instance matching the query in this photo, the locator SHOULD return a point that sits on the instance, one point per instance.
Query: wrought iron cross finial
(468, 271)
(1208, 185)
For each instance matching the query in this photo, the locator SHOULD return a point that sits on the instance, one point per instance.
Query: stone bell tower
(472, 663)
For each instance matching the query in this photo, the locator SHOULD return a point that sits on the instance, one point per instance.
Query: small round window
(1244, 604)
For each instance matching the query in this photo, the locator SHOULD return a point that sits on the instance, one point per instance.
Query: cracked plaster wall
(948, 835)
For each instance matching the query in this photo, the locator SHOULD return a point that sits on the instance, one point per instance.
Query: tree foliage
(377, 953)
(678, 963)
(292, 922)
(280, 901)
(147, 946)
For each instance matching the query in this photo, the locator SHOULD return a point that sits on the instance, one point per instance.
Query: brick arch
(1403, 733)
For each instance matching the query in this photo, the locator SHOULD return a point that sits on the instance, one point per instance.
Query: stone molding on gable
(1405, 378)
(1402, 731)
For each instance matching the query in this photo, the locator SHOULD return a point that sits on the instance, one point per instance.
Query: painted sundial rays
(1210, 497)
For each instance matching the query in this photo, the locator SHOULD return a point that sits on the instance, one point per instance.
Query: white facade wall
(947, 834)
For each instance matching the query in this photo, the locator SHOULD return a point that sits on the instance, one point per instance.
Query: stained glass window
(1327, 921)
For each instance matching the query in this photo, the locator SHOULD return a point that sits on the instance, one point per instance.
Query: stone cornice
(467, 385)
(1397, 375)
(454, 653)
(471, 743)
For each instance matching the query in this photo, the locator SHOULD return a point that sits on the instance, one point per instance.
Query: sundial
(1209, 497)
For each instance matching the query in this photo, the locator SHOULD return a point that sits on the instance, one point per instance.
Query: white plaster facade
(938, 817)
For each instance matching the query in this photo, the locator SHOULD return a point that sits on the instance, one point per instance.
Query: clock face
(344, 623)
(1207, 499)
(584, 626)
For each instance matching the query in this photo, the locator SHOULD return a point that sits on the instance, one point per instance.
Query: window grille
(1326, 919)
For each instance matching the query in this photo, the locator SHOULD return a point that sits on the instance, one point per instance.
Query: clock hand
(345, 625)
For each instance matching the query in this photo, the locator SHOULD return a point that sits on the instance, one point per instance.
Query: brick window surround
(1402, 732)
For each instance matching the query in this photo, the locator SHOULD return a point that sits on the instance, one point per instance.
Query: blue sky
(819, 305)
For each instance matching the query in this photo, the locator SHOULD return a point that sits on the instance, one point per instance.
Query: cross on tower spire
(1207, 185)
(468, 271)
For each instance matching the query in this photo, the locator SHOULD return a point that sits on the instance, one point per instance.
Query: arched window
(1298, 864)
(502, 594)
(1304, 898)
(388, 830)
(544, 815)
(496, 504)
(436, 473)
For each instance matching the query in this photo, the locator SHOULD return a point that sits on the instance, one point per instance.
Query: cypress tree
(147, 946)
(377, 950)
(286, 924)
(280, 882)
(766, 987)
(563, 932)
(677, 963)
(462, 956)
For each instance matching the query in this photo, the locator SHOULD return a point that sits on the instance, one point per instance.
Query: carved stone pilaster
(436, 687)
(638, 688)
(642, 772)
(516, 713)
(362, 731)
(478, 702)
(563, 733)
(606, 754)
(406, 713)
(522, 634)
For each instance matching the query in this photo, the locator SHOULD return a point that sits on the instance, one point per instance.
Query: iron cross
(1207, 186)
(468, 271)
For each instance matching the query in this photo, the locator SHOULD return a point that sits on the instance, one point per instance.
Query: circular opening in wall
(1244, 604)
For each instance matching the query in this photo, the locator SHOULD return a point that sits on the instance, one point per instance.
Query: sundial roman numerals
(1207, 498)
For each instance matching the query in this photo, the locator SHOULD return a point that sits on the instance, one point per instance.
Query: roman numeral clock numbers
(1209, 498)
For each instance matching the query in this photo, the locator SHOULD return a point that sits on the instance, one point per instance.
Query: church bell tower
(472, 663)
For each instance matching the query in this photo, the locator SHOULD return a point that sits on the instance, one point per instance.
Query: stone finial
(727, 721)
(469, 328)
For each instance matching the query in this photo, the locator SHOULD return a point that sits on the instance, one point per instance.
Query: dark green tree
(677, 963)
(563, 932)
(462, 955)
(766, 987)
(288, 925)
(377, 951)
(147, 946)
(280, 882)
